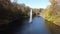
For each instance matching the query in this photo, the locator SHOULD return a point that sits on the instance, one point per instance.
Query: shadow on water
(54, 29)
(37, 25)
(12, 28)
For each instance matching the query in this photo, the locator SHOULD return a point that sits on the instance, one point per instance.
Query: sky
(34, 3)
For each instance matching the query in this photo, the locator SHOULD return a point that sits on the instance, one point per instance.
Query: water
(36, 27)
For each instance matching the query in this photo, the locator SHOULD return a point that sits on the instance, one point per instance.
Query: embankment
(55, 29)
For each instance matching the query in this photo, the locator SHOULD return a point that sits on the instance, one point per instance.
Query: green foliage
(12, 11)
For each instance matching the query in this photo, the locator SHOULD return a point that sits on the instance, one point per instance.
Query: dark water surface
(36, 27)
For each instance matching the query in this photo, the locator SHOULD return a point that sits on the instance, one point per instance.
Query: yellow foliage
(48, 14)
(51, 13)
(50, 17)
(54, 3)
(55, 19)
(58, 8)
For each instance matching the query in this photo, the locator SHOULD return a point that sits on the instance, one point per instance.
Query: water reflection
(36, 27)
